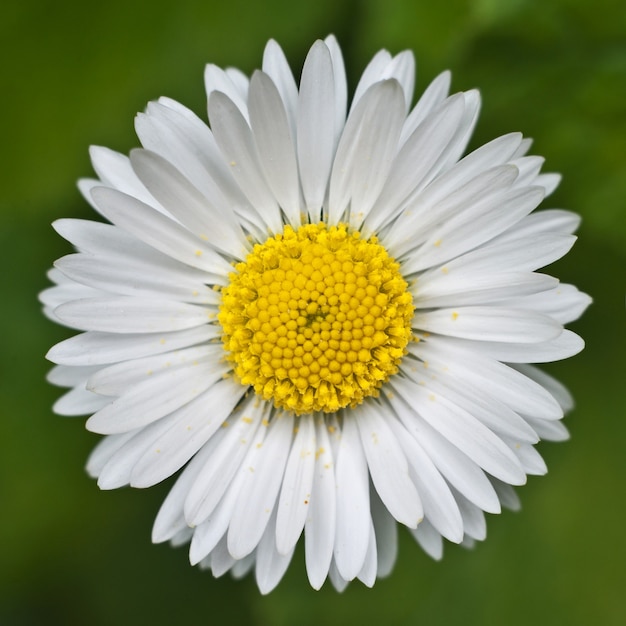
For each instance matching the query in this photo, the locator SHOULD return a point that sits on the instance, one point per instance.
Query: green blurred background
(75, 73)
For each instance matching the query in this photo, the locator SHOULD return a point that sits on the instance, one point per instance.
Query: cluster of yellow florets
(317, 318)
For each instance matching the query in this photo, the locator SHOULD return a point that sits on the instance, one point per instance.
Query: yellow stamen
(316, 319)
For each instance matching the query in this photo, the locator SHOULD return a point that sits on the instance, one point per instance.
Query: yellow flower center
(316, 319)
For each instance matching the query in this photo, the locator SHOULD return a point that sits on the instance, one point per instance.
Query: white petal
(473, 518)
(243, 566)
(542, 222)
(240, 80)
(455, 466)
(504, 383)
(439, 203)
(271, 564)
(119, 378)
(129, 277)
(96, 348)
(199, 155)
(386, 534)
(558, 391)
(549, 182)
(562, 347)
(489, 323)
(402, 68)
(158, 231)
(117, 470)
(104, 450)
(219, 228)
(111, 244)
(466, 127)
(491, 155)
(417, 158)
(85, 185)
(476, 224)
(275, 65)
(564, 303)
(212, 531)
(102, 239)
(445, 289)
(440, 508)
(274, 141)
(375, 149)
(315, 127)
(549, 430)
(221, 559)
(353, 517)
(59, 279)
(529, 167)
(492, 413)
(260, 489)
(234, 137)
(221, 467)
(388, 467)
(79, 401)
(295, 495)
(183, 139)
(67, 376)
(320, 522)
(433, 96)
(366, 150)
(523, 253)
(114, 170)
(507, 495)
(372, 74)
(339, 583)
(531, 460)
(192, 426)
(429, 539)
(165, 131)
(523, 148)
(463, 430)
(383, 67)
(367, 575)
(122, 314)
(171, 518)
(181, 538)
(478, 173)
(341, 87)
(154, 398)
(217, 80)
(65, 292)
(179, 135)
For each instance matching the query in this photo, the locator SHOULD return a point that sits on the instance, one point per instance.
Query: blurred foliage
(74, 74)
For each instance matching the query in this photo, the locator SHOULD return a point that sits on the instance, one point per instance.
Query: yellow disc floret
(317, 318)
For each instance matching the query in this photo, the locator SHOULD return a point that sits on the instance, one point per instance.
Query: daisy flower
(322, 315)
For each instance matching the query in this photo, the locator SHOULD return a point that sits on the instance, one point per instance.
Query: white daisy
(325, 317)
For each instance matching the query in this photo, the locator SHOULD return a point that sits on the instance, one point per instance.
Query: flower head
(324, 316)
